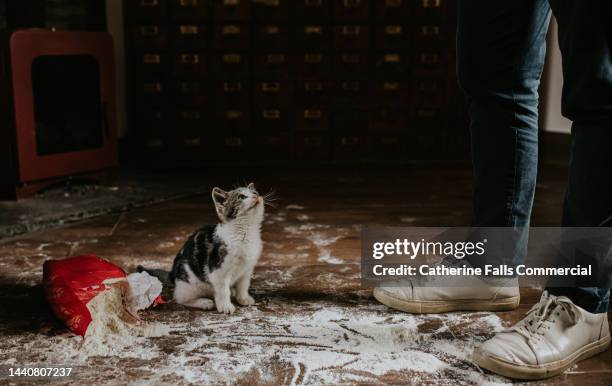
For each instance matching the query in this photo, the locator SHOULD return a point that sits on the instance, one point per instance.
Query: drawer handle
(189, 87)
(233, 141)
(389, 140)
(351, 30)
(191, 142)
(313, 30)
(312, 114)
(429, 59)
(188, 3)
(272, 30)
(152, 88)
(352, 3)
(392, 58)
(393, 3)
(189, 30)
(430, 3)
(393, 30)
(190, 115)
(313, 58)
(233, 114)
(313, 3)
(148, 3)
(154, 142)
(149, 30)
(231, 30)
(430, 30)
(313, 86)
(230, 87)
(190, 58)
(268, 3)
(270, 87)
(271, 114)
(350, 59)
(391, 86)
(232, 58)
(349, 141)
(426, 113)
(351, 86)
(151, 59)
(275, 58)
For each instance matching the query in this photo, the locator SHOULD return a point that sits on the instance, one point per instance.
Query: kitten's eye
(242, 196)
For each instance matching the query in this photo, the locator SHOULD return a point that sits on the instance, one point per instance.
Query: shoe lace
(540, 317)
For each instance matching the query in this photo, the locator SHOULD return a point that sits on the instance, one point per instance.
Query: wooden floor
(313, 323)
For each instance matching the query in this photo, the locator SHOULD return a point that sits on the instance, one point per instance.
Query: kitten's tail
(163, 276)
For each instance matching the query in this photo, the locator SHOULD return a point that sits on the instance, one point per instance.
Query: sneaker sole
(440, 306)
(526, 372)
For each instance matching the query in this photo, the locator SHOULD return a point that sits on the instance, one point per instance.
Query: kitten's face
(240, 202)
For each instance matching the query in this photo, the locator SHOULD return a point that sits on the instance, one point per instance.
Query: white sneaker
(553, 336)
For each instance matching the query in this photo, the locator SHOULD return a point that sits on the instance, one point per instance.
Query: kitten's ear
(219, 197)
(251, 186)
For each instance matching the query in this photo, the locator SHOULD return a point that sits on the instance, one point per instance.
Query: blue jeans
(501, 47)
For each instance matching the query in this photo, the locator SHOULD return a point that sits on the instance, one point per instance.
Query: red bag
(71, 283)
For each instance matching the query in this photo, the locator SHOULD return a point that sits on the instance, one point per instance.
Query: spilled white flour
(326, 257)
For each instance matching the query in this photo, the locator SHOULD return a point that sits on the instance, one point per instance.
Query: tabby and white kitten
(217, 261)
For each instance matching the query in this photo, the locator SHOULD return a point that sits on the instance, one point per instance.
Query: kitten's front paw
(226, 308)
(246, 300)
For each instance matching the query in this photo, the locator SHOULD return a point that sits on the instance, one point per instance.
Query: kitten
(217, 261)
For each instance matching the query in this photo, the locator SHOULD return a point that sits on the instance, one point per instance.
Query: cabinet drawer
(272, 66)
(151, 91)
(350, 119)
(312, 147)
(271, 37)
(231, 36)
(351, 37)
(431, 9)
(311, 118)
(232, 10)
(391, 65)
(427, 116)
(355, 65)
(312, 10)
(229, 148)
(232, 118)
(393, 9)
(191, 9)
(352, 9)
(431, 90)
(271, 118)
(275, 93)
(313, 64)
(388, 146)
(392, 37)
(313, 90)
(430, 61)
(392, 90)
(348, 147)
(232, 92)
(149, 36)
(190, 64)
(351, 92)
(272, 145)
(432, 33)
(388, 119)
(147, 10)
(152, 64)
(265, 10)
(313, 37)
(193, 91)
(189, 36)
(231, 65)
(191, 118)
